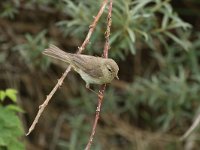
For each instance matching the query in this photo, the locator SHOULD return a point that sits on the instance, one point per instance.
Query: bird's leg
(88, 87)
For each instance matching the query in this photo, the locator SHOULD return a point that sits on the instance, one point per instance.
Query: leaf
(140, 6)
(168, 7)
(115, 36)
(131, 34)
(14, 108)
(29, 38)
(40, 36)
(16, 145)
(185, 44)
(146, 37)
(2, 95)
(165, 21)
(10, 130)
(132, 47)
(11, 93)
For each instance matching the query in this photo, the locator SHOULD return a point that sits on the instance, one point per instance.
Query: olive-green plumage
(93, 70)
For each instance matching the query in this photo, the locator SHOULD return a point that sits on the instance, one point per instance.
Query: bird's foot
(88, 87)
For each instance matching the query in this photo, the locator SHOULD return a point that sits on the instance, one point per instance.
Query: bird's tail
(57, 53)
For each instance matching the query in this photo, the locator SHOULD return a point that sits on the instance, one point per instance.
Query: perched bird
(93, 70)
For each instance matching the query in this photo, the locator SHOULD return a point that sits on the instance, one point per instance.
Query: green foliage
(31, 51)
(10, 93)
(162, 101)
(10, 126)
(132, 21)
(176, 87)
(146, 21)
(79, 134)
(9, 9)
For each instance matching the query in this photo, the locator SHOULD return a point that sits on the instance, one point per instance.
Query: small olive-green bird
(93, 70)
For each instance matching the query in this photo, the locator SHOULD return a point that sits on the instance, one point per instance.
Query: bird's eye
(109, 68)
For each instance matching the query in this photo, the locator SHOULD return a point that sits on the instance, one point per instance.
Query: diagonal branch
(192, 128)
(103, 87)
(107, 33)
(60, 81)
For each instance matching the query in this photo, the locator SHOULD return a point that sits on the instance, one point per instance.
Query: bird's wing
(88, 64)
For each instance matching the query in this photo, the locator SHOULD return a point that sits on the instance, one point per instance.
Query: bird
(92, 69)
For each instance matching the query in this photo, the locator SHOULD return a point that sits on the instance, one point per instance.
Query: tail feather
(57, 53)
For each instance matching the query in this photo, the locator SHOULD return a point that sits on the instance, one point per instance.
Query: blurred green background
(156, 44)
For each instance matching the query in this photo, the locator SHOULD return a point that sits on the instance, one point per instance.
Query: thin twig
(100, 100)
(41, 107)
(103, 87)
(92, 27)
(107, 33)
(60, 81)
(190, 142)
(192, 128)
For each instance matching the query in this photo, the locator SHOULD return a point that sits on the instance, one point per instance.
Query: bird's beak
(117, 77)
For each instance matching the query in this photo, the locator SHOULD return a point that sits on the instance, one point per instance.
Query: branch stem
(103, 87)
(100, 101)
(60, 81)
